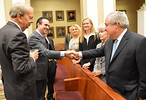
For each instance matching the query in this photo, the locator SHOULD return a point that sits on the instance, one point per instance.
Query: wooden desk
(90, 88)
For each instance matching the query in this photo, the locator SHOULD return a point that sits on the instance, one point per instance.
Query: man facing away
(126, 69)
(16, 61)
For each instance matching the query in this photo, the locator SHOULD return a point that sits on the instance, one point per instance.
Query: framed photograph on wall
(51, 32)
(60, 31)
(59, 15)
(68, 29)
(71, 15)
(49, 15)
(123, 11)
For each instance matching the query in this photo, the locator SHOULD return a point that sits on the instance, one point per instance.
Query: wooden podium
(76, 78)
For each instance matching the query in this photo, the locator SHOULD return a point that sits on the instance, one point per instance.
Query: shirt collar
(121, 35)
(16, 24)
(89, 35)
(43, 36)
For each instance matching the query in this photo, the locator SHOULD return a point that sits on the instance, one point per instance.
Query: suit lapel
(109, 49)
(122, 44)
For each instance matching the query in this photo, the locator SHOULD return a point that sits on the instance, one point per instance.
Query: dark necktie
(46, 43)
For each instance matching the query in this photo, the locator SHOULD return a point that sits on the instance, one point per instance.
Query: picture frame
(71, 15)
(59, 15)
(68, 29)
(49, 15)
(51, 32)
(122, 11)
(60, 31)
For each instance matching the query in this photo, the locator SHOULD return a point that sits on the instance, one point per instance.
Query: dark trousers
(41, 89)
(51, 78)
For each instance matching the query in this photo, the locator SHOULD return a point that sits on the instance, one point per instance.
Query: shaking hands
(72, 54)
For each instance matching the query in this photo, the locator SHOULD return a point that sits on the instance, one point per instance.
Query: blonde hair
(78, 27)
(92, 30)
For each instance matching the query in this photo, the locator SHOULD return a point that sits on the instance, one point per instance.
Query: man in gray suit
(38, 40)
(126, 70)
(16, 62)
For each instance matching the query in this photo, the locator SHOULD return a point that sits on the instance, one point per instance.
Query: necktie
(114, 49)
(46, 42)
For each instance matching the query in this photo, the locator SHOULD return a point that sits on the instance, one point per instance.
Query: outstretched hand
(72, 54)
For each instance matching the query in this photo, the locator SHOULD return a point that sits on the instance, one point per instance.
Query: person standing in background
(88, 40)
(99, 66)
(16, 61)
(67, 39)
(51, 72)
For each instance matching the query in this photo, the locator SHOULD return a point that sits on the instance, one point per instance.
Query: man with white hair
(16, 61)
(126, 68)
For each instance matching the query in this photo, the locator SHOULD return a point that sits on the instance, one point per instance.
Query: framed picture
(51, 32)
(60, 31)
(49, 15)
(68, 29)
(59, 15)
(123, 11)
(71, 15)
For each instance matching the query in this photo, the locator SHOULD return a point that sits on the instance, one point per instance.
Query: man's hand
(34, 54)
(69, 54)
(72, 54)
(141, 98)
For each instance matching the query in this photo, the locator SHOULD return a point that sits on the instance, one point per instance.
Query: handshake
(72, 54)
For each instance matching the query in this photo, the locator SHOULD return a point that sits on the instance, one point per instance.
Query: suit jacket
(17, 66)
(127, 70)
(36, 41)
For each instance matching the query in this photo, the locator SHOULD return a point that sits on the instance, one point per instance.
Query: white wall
(92, 11)
(2, 14)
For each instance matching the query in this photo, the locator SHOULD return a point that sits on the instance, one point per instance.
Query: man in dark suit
(51, 72)
(16, 62)
(126, 70)
(38, 40)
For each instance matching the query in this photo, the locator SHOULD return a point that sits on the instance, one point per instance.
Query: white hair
(120, 17)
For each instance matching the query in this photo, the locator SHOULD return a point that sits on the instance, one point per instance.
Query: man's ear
(117, 24)
(19, 17)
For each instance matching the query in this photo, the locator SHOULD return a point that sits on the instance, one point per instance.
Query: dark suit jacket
(36, 41)
(51, 72)
(17, 66)
(126, 73)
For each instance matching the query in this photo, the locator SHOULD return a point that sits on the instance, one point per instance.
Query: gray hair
(101, 27)
(120, 17)
(19, 8)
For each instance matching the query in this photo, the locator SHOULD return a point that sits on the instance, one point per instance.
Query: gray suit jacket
(36, 41)
(127, 70)
(17, 66)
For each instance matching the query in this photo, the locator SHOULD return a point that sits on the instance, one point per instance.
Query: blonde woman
(88, 40)
(74, 42)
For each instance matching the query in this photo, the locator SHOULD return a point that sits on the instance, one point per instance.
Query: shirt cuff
(80, 54)
(62, 53)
